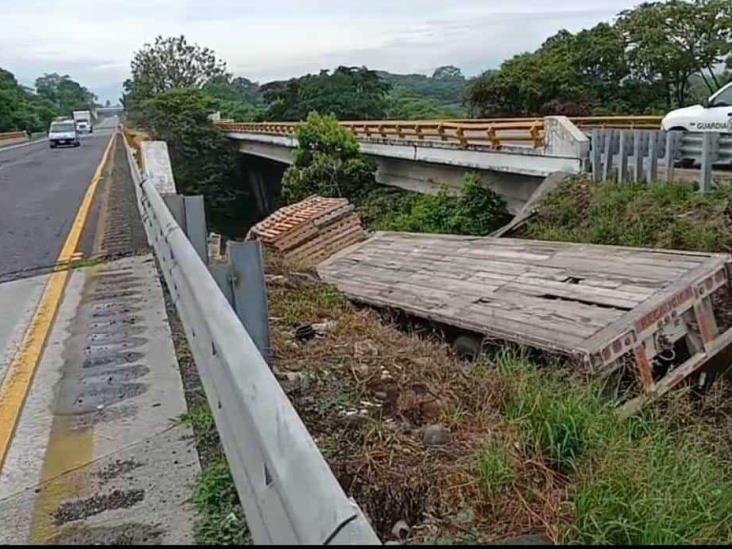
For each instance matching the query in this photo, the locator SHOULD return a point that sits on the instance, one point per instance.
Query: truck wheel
(77, 144)
(52, 145)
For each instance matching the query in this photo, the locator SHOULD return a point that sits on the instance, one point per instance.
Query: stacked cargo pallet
(310, 231)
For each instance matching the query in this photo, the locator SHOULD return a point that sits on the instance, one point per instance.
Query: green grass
(495, 468)
(656, 488)
(220, 519)
(672, 216)
(309, 304)
(638, 481)
(557, 422)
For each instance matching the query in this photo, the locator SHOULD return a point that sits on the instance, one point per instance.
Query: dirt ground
(401, 421)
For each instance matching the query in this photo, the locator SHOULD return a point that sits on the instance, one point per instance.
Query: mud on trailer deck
(608, 306)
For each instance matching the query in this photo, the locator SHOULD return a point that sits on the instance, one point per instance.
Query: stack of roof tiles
(310, 231)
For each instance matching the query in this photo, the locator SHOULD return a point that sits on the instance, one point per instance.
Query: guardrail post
(596, 154)
(652, 166)
(196, 230)
(623, 157)
(637, 156)
(710, 142)
(672, 141)
(250, 292)
(607, 166)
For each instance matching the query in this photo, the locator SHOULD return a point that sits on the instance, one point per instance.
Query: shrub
(673, 216)
(327, 162)
(476, 211)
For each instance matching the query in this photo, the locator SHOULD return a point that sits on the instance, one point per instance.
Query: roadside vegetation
(328, 163)
(672, 216)
(32, 109)
(441, 451)
(221, 519)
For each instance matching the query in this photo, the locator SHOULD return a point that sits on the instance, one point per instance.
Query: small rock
(381, 395)
(431, 409)
(436, 435)
(400, 530)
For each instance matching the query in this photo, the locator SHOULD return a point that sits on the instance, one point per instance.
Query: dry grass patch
(368, 392)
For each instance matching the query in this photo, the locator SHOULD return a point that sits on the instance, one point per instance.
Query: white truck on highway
(83, 121)
(63, 132)
(713, 115)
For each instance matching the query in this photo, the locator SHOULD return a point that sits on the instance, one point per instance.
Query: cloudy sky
(263, 40)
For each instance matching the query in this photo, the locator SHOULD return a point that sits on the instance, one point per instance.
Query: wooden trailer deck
(598, 303)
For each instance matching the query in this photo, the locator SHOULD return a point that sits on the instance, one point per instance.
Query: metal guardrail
(286, 488)
(634, 155)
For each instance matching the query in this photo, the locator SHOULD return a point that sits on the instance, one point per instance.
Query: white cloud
(93, 41)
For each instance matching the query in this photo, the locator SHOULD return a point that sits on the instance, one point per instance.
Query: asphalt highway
(40, 192)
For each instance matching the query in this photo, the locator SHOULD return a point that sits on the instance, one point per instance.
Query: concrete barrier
(13, 138)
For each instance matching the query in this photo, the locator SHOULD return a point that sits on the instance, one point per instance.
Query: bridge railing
(490, 133)
(482, 133)
(286, 488)
(619, 122)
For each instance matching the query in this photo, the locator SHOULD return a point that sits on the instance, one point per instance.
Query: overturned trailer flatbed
(608, 306)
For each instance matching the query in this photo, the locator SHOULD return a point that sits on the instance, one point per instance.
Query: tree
(445, 87)
(403, 105)
(448, 72)
(63, 92)
(202, 159)
(171, 63)
(327, 162)
(668, 42)
(236, 98)
(20, 108)
(349, 93)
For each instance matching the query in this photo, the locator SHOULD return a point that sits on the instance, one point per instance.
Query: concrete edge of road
(26, 144)
(21, 370)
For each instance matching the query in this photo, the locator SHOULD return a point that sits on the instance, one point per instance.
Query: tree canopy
(348, 93)
(23, 108)
(170, 63)
(64, 93)
(643, 62)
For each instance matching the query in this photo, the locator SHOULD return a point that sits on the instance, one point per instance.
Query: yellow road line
(22, 369)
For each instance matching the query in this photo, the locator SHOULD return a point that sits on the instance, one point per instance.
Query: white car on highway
(713, 115)
(63, 132)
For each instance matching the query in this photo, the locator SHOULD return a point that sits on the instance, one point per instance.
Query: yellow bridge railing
(485, 133)
(493, 133)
